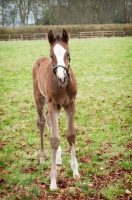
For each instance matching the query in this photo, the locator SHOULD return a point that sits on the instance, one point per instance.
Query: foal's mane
(57, 37)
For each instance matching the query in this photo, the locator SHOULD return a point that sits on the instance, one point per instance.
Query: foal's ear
(65, 36)
(51, 37)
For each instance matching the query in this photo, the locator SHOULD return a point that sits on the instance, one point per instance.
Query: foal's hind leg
(71, 136)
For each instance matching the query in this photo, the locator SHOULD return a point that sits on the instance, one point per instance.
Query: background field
(103, 122)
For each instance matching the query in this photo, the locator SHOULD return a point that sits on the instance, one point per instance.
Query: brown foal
(55, 84)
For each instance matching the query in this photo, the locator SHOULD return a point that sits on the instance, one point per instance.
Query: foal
(55, 84)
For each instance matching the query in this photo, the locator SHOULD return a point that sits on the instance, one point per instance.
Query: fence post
(46, 36)
(21, 37)
(80, 35)
(124, 33)
(9, 37)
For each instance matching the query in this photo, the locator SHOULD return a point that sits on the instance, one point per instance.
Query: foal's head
(60, 55)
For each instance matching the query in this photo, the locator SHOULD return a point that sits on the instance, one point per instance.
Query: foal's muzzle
(66, 75)
(64, 80)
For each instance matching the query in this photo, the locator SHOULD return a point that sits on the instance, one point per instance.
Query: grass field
(103, 123)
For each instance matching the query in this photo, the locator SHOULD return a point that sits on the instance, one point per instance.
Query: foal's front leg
(71, 136)
(54, 142)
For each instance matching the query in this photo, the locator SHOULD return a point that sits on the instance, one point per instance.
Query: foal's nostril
(61, 80)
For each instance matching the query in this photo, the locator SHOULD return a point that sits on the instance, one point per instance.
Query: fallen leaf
(90, 185)
(78, 189)
(128, 192)
(72, 189)
(86, 158)
(4, 172)
(2, 144)
(2, 181)
(23, 111)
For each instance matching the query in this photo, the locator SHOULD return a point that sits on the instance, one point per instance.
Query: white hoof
(42, 157)
(53, 185)
(42, 160)
(59, 162)
(76, 176)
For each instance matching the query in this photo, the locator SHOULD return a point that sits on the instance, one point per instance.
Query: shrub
(70, 28)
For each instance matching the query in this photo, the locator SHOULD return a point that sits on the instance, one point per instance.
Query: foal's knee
(71, 139)
(41, 122)
(54, 142)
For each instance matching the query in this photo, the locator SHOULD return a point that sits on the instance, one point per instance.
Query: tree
(24, 7)
(127, 8)
(4, 7)
(12, 13)
(55, 12)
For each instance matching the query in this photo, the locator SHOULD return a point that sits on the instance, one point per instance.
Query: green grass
(103, 122)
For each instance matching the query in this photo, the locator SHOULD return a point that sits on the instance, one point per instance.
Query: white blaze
(59, 52)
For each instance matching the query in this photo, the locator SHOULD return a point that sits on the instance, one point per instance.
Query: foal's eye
(68, 55)
(51, 56)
